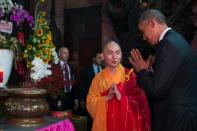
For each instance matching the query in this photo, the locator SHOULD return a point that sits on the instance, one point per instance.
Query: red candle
(1, 75)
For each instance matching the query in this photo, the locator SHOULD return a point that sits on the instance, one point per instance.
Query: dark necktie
(67, 73)
(98, 69)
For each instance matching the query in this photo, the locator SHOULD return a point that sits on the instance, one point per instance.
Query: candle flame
(1, 70)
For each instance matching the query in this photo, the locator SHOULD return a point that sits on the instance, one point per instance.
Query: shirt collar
(163, 33)
(61, 62)
(95, 67)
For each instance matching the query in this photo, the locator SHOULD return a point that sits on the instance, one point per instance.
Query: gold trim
(127, 76)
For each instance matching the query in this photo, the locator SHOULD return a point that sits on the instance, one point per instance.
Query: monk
(114, 100)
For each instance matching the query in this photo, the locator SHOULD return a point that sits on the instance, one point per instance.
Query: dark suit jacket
(173, 85)
(74, 93)
(86, 82)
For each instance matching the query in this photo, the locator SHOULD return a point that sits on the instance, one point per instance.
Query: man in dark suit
(171, 84)
(89, 74)
(69, 93)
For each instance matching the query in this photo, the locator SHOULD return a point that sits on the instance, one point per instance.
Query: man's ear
(152, 23)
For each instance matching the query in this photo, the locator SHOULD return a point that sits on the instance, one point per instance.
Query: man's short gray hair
(61, 48)
(152, 13)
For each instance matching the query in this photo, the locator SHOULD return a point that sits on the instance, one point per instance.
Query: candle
(1, 75)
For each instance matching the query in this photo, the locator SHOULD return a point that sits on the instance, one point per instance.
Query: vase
(6, 62)
(26, 106)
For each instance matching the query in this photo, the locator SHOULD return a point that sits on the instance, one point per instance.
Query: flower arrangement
(52, 83)
(40, 51)
(11, 14)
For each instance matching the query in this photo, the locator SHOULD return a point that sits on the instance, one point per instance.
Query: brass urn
(26, 106)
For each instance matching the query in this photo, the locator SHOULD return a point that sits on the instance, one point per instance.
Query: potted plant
(42, 59)
(12, 16)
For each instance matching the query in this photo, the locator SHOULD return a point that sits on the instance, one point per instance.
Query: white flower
(39, 69)
(6, 5)
(55, 56)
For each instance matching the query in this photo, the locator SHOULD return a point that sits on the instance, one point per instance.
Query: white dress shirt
(95, 67)
(163, 33)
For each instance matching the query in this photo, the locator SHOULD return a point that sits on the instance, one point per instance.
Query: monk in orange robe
(115, 101)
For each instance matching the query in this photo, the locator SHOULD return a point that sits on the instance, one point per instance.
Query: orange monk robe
(96, 103)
